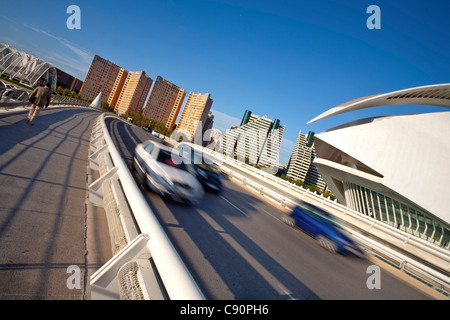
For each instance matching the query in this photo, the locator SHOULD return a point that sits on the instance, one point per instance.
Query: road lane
(237, 248)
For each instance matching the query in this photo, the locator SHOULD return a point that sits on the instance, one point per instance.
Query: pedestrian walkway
(46, 228)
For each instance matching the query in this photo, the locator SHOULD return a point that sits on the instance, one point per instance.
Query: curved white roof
(409, 153)
(17, 64)
(406, 155)
(435, 95)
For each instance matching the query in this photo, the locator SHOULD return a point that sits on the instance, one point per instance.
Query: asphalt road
(236, 247)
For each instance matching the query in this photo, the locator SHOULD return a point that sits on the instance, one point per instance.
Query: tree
(141, 121)
(106, 106)
(59, 90)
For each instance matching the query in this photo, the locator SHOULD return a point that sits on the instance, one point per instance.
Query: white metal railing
(15, 97)
(378, 234)
(152, 240)
(13, 94)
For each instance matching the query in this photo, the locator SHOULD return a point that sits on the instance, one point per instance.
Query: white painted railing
(15, 97)
(143, 255)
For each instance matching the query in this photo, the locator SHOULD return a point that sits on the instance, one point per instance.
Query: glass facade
(396, 214)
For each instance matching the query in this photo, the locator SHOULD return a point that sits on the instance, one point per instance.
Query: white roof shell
(407, 156)
(410, 153)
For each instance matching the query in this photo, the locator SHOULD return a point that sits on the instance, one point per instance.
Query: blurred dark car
(202, 167)
(208, 175)
(322, 226)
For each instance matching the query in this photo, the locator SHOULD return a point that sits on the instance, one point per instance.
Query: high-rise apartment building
(301, 165)
(101, 77)
(164, 102)
(256, 141)
(134, 93)
(208, 122)
(117, 87)
(208, 135)
(194, 115)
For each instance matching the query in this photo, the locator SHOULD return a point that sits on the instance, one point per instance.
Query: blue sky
(290, 60)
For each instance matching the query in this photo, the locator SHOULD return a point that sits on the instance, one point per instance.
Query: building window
(396, 214)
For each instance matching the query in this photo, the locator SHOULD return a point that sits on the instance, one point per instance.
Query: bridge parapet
(145, 264)
(15, 97)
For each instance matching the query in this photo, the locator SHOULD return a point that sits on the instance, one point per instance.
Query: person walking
(39, 98)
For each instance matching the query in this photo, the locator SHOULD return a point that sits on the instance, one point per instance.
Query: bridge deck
(45, 225)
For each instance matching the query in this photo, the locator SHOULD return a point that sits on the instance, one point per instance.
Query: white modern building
(395, 168)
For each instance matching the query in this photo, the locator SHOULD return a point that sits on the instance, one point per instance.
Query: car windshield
(318, 214)
(167, 157)
(208, 167)
(204, 163)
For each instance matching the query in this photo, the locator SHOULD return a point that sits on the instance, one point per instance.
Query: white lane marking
(234, 206)
(287, 292)
(268, 213)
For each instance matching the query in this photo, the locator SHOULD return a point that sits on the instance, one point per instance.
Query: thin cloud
(69, 62)
(223, 121)
(84, 57)
(286, 148)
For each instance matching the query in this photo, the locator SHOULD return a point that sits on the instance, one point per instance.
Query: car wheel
(327, 243)
(288, 220)
(131, 166)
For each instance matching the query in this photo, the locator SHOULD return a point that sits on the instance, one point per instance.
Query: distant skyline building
(194, 115)
(67, 81)
(101, 77)
(300, 166)
(134, 93)
(256, 141)
(117, 87)
(165, 102)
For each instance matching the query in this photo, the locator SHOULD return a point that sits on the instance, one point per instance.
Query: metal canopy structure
(25, 68)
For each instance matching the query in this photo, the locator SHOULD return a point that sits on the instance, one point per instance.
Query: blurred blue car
(322, 226)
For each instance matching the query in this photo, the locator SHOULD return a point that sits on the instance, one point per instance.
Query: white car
(164, 172)
(155, 133)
